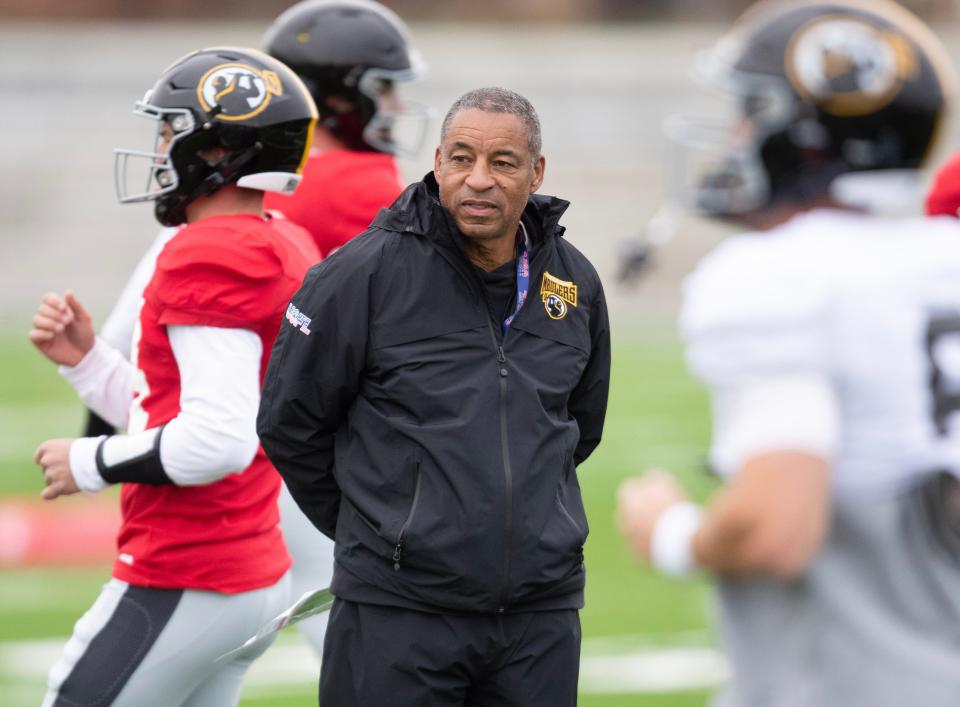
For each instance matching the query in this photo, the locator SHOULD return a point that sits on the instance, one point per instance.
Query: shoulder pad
(757, 305)
(222, 273)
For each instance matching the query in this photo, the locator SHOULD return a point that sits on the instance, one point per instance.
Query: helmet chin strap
(225, 173)
(348, 126)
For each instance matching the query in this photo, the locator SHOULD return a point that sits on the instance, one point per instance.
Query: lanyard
(523, 275)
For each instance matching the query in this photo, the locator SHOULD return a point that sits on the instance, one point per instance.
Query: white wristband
(671, 547)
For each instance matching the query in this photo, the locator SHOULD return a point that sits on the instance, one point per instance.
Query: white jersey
(870, 307)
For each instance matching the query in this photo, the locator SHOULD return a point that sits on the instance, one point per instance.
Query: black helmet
(823, 89)
(350, 54)
(249, 105)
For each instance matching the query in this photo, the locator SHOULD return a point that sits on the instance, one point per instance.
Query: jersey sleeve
(756, 309)
(214, 276)
(757, 325)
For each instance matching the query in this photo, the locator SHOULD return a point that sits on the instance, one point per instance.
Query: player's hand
(62, 329)
(53, 456)
(640, 503)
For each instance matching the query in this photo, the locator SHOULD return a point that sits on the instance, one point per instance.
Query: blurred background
(603, 75)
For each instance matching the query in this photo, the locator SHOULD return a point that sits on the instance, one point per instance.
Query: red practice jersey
(340, 194)
(234, 271)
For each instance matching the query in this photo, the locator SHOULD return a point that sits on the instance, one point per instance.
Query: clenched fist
(640, 503)
(53, 456)
(62, 329)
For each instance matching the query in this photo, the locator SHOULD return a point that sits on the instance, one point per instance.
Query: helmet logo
(847, 65)
(240, 91)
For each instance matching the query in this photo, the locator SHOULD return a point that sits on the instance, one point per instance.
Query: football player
(352, 55)
(201, 562)
(828, 337)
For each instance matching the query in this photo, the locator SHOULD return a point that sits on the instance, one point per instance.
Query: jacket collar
(418, 211)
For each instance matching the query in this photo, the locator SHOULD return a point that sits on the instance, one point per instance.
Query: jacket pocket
(570, 518)
(366, 521)
(402, 534)
(570, 472)
(559, 547)
(577, 530)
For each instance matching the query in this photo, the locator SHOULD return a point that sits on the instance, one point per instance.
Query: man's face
(486, 172)
(165, 135)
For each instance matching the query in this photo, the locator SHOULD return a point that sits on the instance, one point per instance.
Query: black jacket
(438, 453)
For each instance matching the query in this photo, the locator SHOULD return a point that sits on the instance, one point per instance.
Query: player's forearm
(733, 544)
(180, 453)
(738, 551)
(770, 520)
(212, 435)
(104, 381)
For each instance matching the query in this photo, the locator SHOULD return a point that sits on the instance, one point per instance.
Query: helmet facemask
(397, 126)
(154, 169)
(716, 167)
(188, 161)
(363, 109)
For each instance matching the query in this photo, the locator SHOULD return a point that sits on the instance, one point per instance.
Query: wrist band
(132, 459)
(671, 545)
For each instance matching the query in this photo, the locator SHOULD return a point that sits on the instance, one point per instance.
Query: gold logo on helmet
(556, 294)
(238, 90)
(848, 65)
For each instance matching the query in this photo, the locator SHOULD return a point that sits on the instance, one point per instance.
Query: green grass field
(657, 417)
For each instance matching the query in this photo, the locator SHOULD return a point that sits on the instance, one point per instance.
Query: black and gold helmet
(822, 89)
(352, 54)
(224, 115)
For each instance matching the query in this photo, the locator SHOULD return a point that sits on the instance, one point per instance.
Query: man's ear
(538, 169)
(436, 165)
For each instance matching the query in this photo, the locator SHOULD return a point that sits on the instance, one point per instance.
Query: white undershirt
(118, 328)
(213, 435)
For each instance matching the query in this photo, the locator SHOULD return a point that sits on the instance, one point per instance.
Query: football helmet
(351, 54)
(821, 89)
(223, 116)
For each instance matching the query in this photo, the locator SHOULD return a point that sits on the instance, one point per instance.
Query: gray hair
(499, 100)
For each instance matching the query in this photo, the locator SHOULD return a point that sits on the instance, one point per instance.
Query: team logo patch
(298, 319)
(557, 294)
(240, 91)
(851, 66)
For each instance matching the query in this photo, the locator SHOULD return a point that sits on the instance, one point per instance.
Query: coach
(435, 384)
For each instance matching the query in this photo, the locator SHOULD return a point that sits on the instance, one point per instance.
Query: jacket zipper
(398, 550)
(507, 469)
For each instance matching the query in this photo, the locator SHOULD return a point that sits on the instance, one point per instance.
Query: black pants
(379, 656)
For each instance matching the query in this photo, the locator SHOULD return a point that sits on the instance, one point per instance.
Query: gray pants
(875, 622)
(312, 554)
(139, 647)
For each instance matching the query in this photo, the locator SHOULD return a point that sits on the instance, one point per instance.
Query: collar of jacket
(418, 211)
